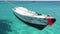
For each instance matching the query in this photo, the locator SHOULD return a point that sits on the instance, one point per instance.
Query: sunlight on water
(9, 24)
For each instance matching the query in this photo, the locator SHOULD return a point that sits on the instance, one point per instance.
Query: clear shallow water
(9, 24)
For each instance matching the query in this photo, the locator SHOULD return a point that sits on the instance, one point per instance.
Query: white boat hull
(34, 20)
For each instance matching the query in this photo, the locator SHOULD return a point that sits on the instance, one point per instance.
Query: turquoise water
(9, 24)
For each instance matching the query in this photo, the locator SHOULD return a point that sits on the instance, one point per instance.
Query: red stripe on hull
(50, 21)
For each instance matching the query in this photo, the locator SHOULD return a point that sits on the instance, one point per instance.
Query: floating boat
(31, 18)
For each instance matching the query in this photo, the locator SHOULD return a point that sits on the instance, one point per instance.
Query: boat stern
(51, 21)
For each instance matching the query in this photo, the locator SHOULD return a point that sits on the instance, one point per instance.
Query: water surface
(12, 25)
